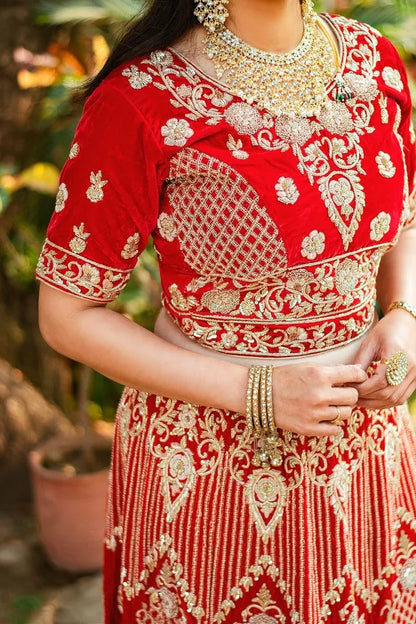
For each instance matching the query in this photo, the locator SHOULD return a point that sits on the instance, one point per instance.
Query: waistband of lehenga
(280, 339)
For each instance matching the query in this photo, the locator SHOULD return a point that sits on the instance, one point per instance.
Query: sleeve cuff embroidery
(80, 276)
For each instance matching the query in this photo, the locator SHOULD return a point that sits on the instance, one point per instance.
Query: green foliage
(73, 11)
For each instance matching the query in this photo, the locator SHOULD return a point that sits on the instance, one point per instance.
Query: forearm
(396, 279)
(134, 356)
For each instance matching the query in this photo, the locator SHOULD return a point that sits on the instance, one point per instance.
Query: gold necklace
(291, 83)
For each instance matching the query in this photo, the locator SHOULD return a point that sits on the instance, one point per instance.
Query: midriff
(166, 328)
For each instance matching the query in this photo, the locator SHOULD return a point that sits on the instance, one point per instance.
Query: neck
(270, 25)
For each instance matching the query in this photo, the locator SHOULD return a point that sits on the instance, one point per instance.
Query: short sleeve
(108, 200)
(399, 82)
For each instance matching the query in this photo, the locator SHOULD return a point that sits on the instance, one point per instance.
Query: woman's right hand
(306, 397)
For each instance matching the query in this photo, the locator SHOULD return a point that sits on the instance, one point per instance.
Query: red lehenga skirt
(196, 534)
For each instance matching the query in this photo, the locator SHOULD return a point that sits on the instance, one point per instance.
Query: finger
(331, 413)
(367, 353)
(375, 383)
(346, 373)
(343, 396)
(325, 428)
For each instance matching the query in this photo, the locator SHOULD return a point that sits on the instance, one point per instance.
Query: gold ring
(338, 419)
(396, 368)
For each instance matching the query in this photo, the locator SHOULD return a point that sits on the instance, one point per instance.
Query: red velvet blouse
(269, 230)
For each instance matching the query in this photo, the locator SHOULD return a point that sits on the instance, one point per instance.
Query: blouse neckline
(334, 27)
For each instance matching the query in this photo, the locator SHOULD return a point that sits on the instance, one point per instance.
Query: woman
(264, 467)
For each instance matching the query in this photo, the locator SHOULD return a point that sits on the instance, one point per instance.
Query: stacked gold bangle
(260, 416)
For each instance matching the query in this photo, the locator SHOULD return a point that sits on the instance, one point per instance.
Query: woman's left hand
(394, 332)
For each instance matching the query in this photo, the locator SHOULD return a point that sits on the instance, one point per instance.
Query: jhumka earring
(213, 13)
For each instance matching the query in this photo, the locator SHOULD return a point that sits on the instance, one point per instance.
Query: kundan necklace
(292, 83)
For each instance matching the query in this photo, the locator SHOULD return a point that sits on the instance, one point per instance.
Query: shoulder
(356, 33)
(367, 51)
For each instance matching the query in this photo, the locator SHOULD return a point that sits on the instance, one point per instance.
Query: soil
(73, 461)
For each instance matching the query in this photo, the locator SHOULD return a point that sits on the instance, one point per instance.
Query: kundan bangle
(260, 417)
(402, 305)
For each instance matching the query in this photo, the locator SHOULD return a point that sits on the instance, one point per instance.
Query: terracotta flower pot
(70, 509)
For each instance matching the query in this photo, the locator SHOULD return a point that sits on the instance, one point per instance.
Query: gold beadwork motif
(392, 78)
(74, 151)
(176, 132)
(61, 197)
(95, 192)
(379, 226)
(287, 193)
(131, 248)
(313, 245)
(385, 165)
(137, 79)
(79, 243)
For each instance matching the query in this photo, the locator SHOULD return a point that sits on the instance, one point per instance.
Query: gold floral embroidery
(95, 192)
(392, 78)
(82, 277)
(79, 243)
(379, 226)
(167, 227)
(235, 147)
(313, 245)
(131, 248)
(177, 132)
(337, 119)
(244, 118)
(137, 79)
(295, 131)
(287, 192)
(74, 151)
(61, 197)
(333, 299)
(385, 165)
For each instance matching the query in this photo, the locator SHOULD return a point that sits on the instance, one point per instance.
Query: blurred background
(47, 49)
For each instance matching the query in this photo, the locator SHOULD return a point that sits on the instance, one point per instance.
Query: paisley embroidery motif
(131, 248)
(61, 198)
(287, 193)
(74, 151)
(178, 478)
(385, 165)
(267, 495)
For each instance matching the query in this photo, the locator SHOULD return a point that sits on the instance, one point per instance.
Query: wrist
(402, 306)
